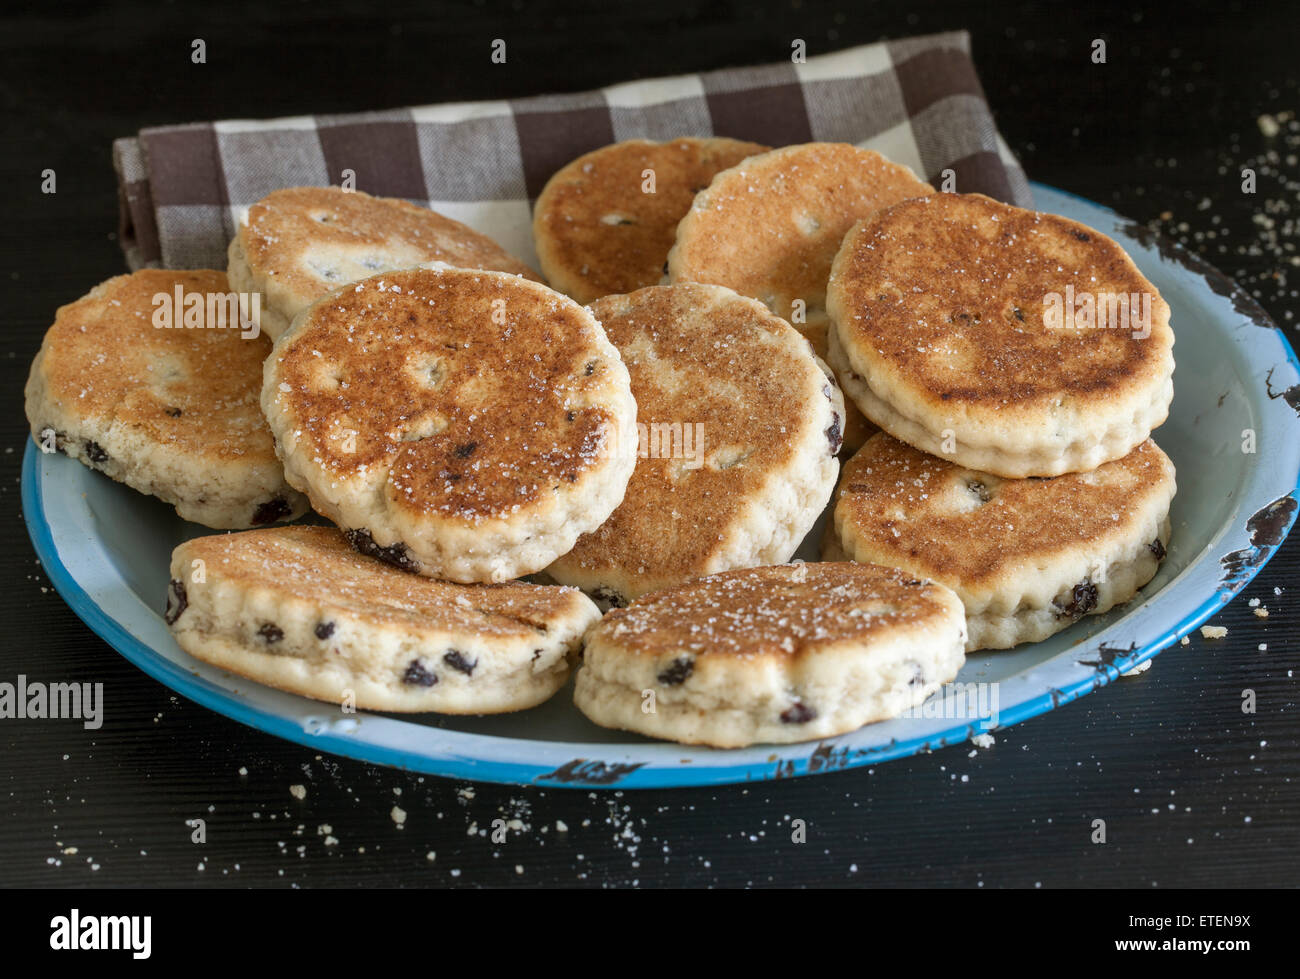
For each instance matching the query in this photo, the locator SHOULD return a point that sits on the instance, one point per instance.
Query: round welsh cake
(298, 609)
(605, 222)
(770, 226)
(1008, 341)
(153, 379)
(299, 243)
(460, 424)
(1027, 557)
(738, 425)
(776, 654)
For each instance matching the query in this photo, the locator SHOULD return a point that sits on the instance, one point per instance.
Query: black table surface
(1193, 791)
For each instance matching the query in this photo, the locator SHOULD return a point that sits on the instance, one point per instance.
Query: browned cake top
(785, 611)
(723, 388)
(960, 526)
(316, 564)
(948, 295)
(598, 232)
(312, 240)
(193, 385)
(770, 227)
(477, 393)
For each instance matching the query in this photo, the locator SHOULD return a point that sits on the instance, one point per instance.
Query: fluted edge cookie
(604, 224)
(299, 243)
(1027, 557)
(739, 427)
(1009, 341)
(296, 608)
(778, 654)
(770, 226)
(168, 404)
(459, 424)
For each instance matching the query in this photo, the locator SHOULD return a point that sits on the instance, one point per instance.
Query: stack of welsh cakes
(611, 472)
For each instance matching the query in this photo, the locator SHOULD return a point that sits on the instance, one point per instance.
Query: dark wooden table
(1194, 792)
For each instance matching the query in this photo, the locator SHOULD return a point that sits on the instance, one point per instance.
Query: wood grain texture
(1193, 791)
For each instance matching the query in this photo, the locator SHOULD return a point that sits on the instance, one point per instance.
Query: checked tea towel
(184, 188)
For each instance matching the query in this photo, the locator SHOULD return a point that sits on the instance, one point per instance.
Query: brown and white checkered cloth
(918, 101)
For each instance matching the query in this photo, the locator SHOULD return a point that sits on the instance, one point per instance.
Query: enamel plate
(106, 549)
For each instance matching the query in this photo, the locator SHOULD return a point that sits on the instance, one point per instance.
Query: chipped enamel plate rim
(105, 550)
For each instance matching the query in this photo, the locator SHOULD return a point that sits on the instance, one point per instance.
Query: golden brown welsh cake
(775, 654)
(604, 223)
(298, 609)
(299, 243)
(461, 424)
(770, 228)
(961, 326)
(164, 397)
(739, 425)
(1028, 557)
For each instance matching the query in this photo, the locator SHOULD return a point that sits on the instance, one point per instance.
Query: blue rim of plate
(478, 757)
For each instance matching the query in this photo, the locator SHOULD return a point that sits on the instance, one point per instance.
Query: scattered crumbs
(1275, 227)
(1184, 641)
(983, 740)
(243, 770)
(1263, 647)
(1140, 668)
(431, 856)
(1214, 631)
(298, 791)
(399, 815)
(561, 826)
(1261, 612)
